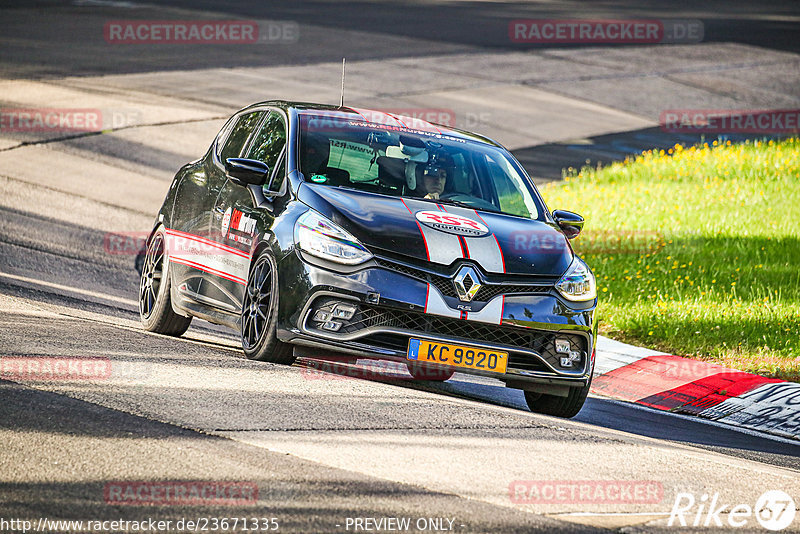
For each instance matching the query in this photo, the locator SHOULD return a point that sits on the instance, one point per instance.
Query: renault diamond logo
(467, 283)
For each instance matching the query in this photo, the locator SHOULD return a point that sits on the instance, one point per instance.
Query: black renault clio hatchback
(312, 229)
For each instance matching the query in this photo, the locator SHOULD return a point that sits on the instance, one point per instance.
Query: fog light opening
(344, 311)
(332, 315)
(562, 346)
(322, 316)
(567, 361)
(333, 326)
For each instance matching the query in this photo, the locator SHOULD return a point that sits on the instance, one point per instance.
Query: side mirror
(246, 172)
(570, 223)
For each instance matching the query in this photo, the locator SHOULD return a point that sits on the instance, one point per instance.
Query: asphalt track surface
(321, 446)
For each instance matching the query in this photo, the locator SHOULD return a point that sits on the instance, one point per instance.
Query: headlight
(320, 237)
(578, 283)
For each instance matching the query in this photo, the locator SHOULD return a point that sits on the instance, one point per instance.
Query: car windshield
(413, 160)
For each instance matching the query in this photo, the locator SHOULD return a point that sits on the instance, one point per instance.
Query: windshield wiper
(464, 205)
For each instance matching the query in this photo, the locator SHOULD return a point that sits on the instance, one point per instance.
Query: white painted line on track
(87, 292)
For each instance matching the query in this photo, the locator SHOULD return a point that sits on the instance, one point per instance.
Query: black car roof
(308, 108)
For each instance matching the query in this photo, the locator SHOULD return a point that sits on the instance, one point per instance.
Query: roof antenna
(341, 102)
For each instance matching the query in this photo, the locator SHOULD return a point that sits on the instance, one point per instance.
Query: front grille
(541, 342)
(445, 283)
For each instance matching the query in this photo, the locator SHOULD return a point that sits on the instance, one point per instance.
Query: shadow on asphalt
(545, 162)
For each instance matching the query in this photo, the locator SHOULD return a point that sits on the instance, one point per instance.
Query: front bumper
(391, 303)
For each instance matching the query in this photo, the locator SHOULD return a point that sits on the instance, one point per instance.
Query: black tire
(432, 374)
(259, 314)
(566, 407)
(155, 304)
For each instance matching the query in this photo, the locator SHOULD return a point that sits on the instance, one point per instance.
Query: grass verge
(697, 251)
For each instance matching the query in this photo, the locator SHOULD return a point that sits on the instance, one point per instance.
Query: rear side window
(239, 134)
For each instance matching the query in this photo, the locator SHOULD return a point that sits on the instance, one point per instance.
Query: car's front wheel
(259, 314)
(567, 407)
(155, 306)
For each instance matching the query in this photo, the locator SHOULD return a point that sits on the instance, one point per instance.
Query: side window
(239, 133)
(509, 186)
(269, 141)
(278, 176)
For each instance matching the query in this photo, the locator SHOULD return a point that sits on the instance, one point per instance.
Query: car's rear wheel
(567, 407)
(259, 314)
(155, 305)
(421, 372)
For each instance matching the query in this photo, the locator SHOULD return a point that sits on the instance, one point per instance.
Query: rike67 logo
(774, 510)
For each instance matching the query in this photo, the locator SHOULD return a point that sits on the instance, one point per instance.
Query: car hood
(443, 234)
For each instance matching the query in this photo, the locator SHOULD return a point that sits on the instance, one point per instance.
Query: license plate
(457, 355)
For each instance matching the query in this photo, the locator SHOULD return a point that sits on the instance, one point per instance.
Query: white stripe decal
(486, 252)
(209, 256)
(437, 306)
(442, 248)
(492, 313)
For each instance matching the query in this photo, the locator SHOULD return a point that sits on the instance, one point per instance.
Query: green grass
(697, 251)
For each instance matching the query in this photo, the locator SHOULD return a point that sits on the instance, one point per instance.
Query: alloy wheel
(152, 274)
(256, 305)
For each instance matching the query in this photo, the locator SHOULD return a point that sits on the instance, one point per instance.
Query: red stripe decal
(406, 205)
(464, 249)
(427, 296)
(210, 270)
(424, 241)
(502, 258)
(461, 240)
(672, 383)
(481, 218)
(396, 118)
(209, 242)
(362, 115)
